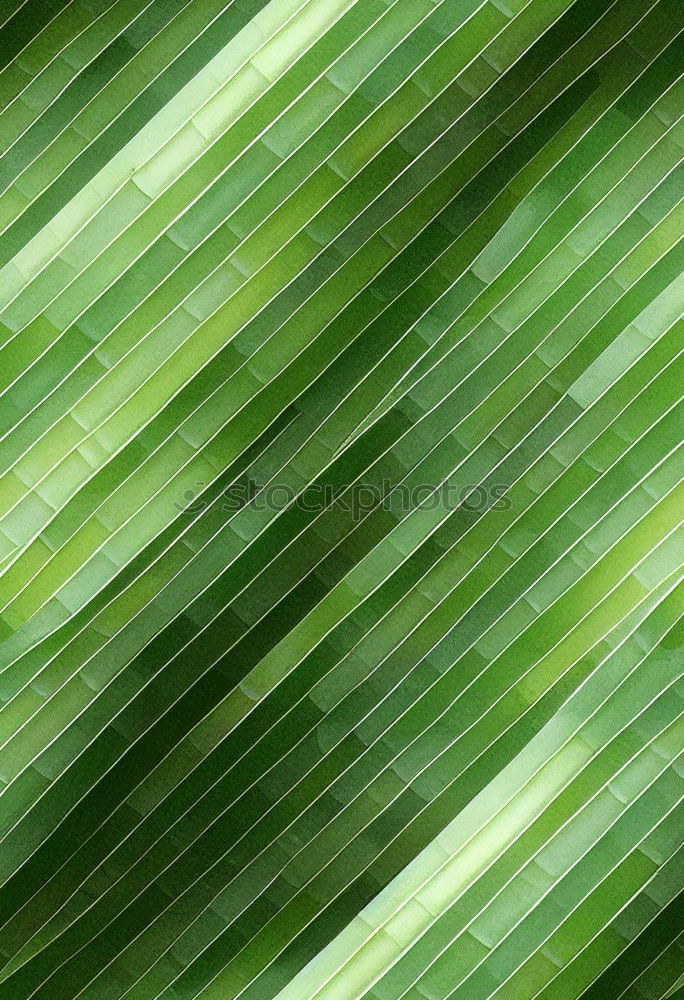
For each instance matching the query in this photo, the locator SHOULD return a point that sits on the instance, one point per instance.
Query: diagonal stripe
(418, 748)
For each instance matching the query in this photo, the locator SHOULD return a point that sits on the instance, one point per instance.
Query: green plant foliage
(341, 576)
